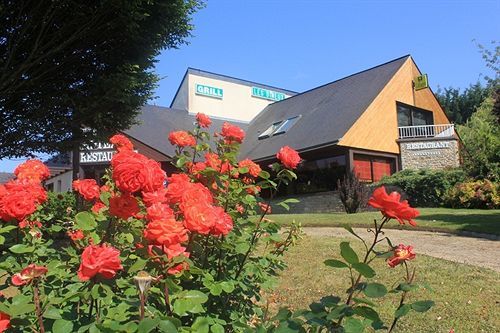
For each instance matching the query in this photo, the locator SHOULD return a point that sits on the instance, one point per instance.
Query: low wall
(323, 202)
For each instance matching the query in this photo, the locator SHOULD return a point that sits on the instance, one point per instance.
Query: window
(372, 168)
(279, 127)
(412, 116)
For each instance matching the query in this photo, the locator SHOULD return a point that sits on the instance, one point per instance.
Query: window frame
(413, 109)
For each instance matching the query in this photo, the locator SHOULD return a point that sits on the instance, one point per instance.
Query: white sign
(428, 145)
(96, 156)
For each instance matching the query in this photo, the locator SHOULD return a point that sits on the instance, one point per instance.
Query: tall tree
(460, 105)
(75, 71)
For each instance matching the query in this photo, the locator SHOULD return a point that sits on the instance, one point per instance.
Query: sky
(298, 44)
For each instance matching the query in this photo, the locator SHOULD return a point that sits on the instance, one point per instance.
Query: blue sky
(299, 45)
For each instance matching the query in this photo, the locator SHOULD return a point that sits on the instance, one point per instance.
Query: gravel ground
(468, 250)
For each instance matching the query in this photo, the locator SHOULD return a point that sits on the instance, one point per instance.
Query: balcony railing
(426, 131)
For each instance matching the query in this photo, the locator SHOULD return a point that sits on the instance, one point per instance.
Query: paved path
(470, 250)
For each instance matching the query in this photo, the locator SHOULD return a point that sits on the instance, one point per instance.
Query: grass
(466, 297)
(433, 219)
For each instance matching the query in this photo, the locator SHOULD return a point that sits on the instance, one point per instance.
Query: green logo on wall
(267, 94)
(421, 82)
(209, 91)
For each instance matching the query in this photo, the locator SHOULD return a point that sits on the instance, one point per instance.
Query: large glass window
(412, 116)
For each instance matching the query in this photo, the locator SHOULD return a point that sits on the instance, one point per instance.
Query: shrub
(474, 194)
(352, 192)
(425, 188)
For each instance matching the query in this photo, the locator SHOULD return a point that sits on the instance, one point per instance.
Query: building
(375, 122)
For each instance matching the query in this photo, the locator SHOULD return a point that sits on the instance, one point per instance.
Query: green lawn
(435, 219)
(466, 297)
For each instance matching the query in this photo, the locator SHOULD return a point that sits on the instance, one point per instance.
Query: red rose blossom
(75, 235)
(159, 211)
(17, 205)
(97, 207)
(253, 168)
(87, 188)
(181, 139)
(100, 260)
(232, 133)
(121, 142)
(32, 170)
(123, 206)
(265, 208)
(391, 206)
(166, 232)
(4, 322)
(199, 217)
(223, 223)
(289, 157)
(213, 161)
(401, 253)
(203, 120)
(151, 198)
(27, 275)
(133, 172)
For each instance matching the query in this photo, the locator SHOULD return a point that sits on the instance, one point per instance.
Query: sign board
(267, 94)
(428, 145)
(421, 82)
(209, 91)
(97, 153)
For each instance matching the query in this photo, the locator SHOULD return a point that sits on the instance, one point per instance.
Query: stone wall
(322, 202)
(433, 153)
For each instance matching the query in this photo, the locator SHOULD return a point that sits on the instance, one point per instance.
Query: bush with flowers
(189, 252)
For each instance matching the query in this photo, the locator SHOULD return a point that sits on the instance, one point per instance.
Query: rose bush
(191, 252)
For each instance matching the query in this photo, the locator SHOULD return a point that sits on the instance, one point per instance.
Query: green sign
(421, 82)
(209, 91)
(267, 94)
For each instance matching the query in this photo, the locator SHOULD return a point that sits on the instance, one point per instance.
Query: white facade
(61, 182)
(224, 97)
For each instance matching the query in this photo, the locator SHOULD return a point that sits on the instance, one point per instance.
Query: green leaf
(402, 311)
(167, 326)
(353, 325)
(335, 263)
(216, 289)
(367, 312)
(264, 174)
(62, 326)
(52, 313)
(200, 325)
(406, 287)
(422, 306)
(217, 328)
(147, 325)
(21, 248)
(348, 253)
(7, 228)
(137, 265)
(375, 290)
(227, 286)
(242, 248)
(189, 301)
(2, 239)
(364, 269)
(363, 301)
(85, 221)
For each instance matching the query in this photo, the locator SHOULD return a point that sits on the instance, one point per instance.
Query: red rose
(196, 168)
(391, 206)
(87, 188)
(289, 157)
(17, 205)
(159, 211)
(154, 176)
(199, 217)
(99, 259)
(121, 142)
(195, 193)
(166, 232)
(232, 133)
(123, 206)
(133, 172)
(177, 184)
(181, 139)
(28, 274)
(151, 198)
(4, 322)
(76, 235)
(401, 253)
(203, 120)
(227, 168)
(97, 207)
(32, 170)
(213, 161)
(223, 223)
(33, 189)
(253, 168)
(265, 208)
(179, 268)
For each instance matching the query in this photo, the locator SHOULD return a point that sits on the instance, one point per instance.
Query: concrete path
(469, 250)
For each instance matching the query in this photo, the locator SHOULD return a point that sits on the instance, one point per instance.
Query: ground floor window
(372, 168)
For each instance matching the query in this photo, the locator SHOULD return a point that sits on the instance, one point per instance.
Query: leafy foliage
(424, 188)
(474, 194)
(73, 64)
(481, 139)
(460, 105)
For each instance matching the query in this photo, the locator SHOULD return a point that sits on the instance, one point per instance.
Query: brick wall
(432, 153)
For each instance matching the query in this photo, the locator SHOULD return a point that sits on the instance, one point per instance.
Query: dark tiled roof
(156, 122)
(327, 112)
(5, 177)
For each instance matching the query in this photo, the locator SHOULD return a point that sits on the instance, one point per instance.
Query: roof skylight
(279, 127)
